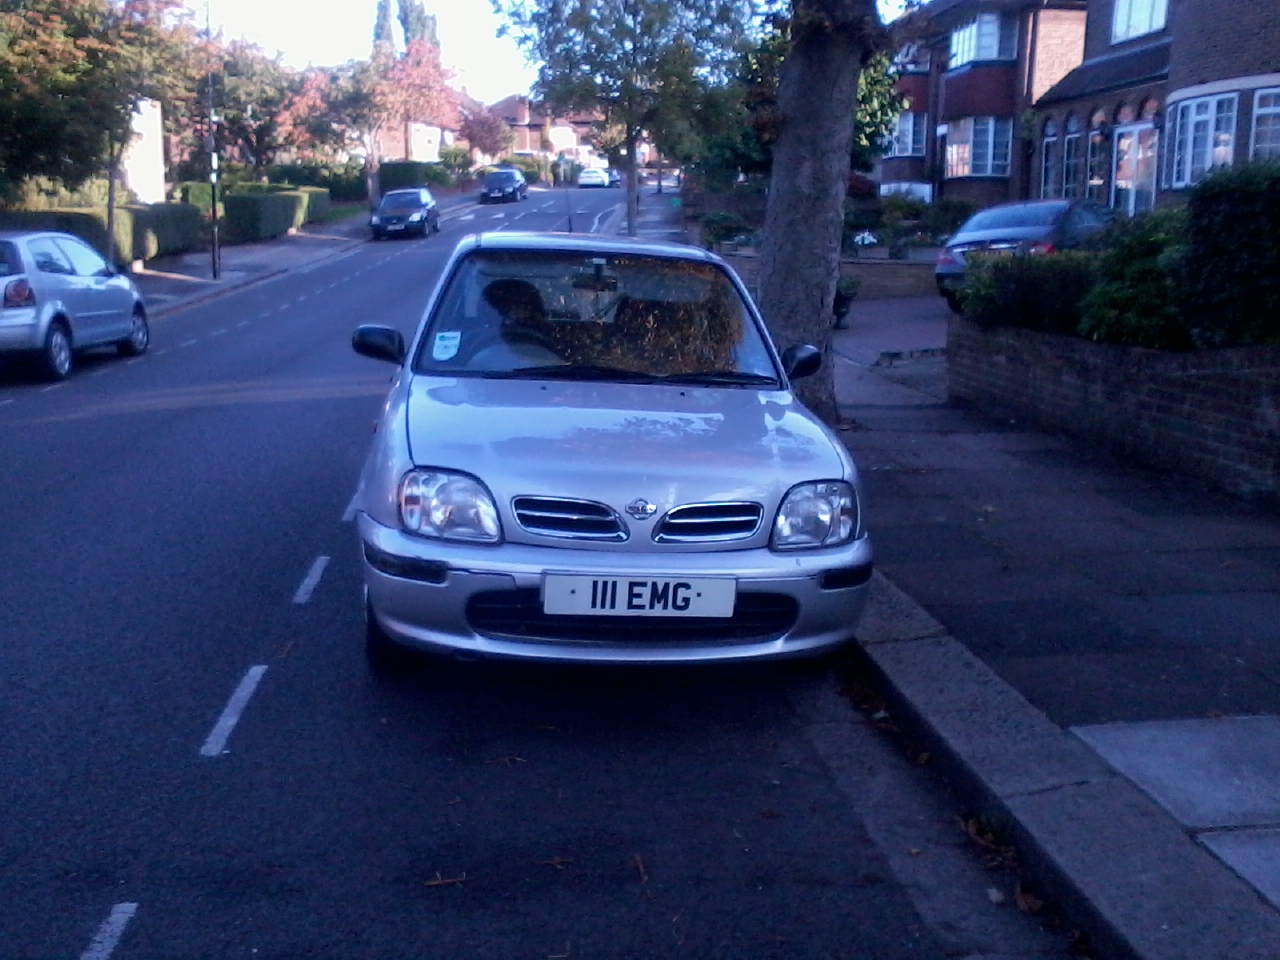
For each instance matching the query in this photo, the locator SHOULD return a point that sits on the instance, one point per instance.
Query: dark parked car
(412, 210)
(1012, 229)
(60, 296)
(615, 178)
(504, 186)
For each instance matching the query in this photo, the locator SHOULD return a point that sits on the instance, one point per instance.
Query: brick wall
(1210, 44)
(1212, 414)
(979, 90)
(1059, 48)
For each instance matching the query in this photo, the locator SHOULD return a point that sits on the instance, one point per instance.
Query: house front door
(1133, 167)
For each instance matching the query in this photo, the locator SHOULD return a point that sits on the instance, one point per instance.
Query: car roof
(416, 191)
(589, 243)
(28, 234)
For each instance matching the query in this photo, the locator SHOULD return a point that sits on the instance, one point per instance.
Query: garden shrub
(261, 216)
(719, 227)
(346, 183)
(1135, 300)
(400, 174)
(529, 166)
(1038, 292)
(1229, 279)
(142, 231)
(944, 217)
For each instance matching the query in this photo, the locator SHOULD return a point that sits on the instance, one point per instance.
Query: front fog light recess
(450, 506)
(818, 514)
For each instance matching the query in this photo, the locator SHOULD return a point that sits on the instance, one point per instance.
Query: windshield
(566, 315)
(401, 201)
(499, 179)
(9, 261)
(1030, 215)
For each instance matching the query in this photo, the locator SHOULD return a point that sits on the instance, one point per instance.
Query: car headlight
(450, 506)
(818, 514)
(415, 217)
(374, 221)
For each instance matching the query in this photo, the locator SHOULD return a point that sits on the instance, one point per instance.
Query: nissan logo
(641, 509)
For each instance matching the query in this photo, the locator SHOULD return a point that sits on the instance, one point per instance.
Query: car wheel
(384, 654)
(139, 336)
(377, 235)
(953, 300)
(56, 355)
(435, 225)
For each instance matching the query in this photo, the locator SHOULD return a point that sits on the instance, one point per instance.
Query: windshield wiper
(574, 371)
(725, 377)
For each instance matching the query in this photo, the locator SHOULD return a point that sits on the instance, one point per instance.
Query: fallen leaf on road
(557, 862)
(995, 896)
(639, 862)
(770, 814)
(508, 761)
(568, 952)
(440, 881)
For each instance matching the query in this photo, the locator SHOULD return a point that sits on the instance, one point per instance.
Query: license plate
(395, 226)
(638, 596)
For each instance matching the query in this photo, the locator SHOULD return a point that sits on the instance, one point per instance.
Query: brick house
(528, 120)
(1168, 90)
(974, 74)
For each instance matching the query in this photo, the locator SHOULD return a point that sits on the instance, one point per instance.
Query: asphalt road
(196, 763)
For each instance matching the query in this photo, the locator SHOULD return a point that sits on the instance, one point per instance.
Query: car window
(48, 258)
(500, 178)
(1030, 215)
(643, 315)
(10, 262)
(401, 200)
(87, 262)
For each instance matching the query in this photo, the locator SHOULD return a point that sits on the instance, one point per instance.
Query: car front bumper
(483, 601)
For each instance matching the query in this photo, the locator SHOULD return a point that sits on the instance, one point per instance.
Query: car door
(108, 301)
(1082, 225)
(56, 280)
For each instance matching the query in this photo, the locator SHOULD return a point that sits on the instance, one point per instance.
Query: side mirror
(379, 343)
(800, 361)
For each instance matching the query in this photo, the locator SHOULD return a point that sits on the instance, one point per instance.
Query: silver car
(61, 296)
(591, 452)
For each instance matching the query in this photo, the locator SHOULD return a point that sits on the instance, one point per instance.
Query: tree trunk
(633, 185)
(804, 215)
(113, 163)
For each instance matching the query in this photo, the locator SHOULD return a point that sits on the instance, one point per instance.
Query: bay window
(908, 135)
(979, 147)
(1201, 136)
(988, 36)
(1266, 125)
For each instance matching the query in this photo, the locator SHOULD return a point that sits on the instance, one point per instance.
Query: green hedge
(142, 231)
(262, 216)
(399, 174)
(317, 202)
(1229, 277)
(1040, 291)
(345, 182)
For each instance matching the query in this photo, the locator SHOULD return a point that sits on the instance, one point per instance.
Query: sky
(488, 68)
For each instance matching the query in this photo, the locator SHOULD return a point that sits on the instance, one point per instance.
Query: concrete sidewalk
(1092, 650)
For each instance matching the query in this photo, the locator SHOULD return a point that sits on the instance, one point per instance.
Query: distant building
(1168, 90)
(570, 134)
(973, 76)
(1125, 102)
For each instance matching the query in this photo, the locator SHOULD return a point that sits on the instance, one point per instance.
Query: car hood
(614, 443)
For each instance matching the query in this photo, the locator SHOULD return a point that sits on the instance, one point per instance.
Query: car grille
(705, 522)
(572, 519)
(518, 614)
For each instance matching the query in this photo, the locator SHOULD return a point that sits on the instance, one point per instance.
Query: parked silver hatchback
(591, 452)
(60, 296)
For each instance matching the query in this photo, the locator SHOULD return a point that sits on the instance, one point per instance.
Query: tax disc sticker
(446, 345)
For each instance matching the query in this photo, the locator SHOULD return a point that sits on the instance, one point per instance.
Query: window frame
(991, 145)
(917, 135)
(1270, 111)
(1072, 165)
(1156, 17)
(1181, 149)
(965, 44)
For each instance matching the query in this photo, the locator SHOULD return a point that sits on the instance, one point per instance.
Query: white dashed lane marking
(216, 744)
(308, 585)
(108, 935)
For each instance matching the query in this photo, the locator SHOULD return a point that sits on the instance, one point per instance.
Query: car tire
(56, 356)
(953, 301)
(383, 654)
(435, 225)
(377, 235)
(139, 338)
